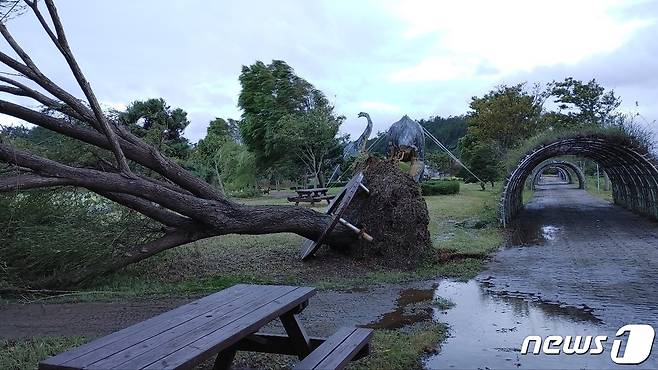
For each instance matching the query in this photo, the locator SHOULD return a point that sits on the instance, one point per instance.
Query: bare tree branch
(32, 71)
(143, 154)
(53, 104)
(150, 209)
(65, 49)
(30, 181)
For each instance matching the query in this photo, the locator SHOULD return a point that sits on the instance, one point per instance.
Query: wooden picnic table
(312, 192)
(311, 195)
(219, 324)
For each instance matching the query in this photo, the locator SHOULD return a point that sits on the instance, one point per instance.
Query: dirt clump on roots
(395, 215)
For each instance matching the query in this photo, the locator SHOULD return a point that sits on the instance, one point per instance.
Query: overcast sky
(388, 58)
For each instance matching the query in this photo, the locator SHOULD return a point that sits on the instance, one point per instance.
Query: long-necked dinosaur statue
(353, 148)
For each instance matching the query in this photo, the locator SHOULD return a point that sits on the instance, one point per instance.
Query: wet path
(578, 266)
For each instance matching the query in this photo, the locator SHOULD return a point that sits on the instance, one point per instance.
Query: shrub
(54, 232)
(440, 187)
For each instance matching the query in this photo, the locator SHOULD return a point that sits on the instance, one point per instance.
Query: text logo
(637, 347)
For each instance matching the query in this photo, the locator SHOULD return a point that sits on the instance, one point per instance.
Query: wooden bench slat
(315, 357)
(342, 355)
(337, 351)
(159, 326)
(167, 319)
(199, 346)
(220, 317)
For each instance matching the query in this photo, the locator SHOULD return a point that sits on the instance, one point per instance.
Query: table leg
(297, 334)
(225, 358)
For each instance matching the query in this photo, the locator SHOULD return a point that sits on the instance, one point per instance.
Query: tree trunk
(320, 176)
(158, 187)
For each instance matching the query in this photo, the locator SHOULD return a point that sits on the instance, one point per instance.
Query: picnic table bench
(311, 195)
(219, 324)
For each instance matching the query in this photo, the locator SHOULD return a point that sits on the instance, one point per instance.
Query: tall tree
(311, 136)
(583, 103)
(484, 158)
(187, 207)
(507, 115)
(270, 93)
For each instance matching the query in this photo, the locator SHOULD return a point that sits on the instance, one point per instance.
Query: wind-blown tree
(311, 136)
(269, 94)
(186, 207)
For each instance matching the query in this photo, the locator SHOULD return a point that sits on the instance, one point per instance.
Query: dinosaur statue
(406, 142)
(353, 148)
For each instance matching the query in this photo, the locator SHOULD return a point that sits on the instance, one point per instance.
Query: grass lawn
(463, 229)
(465, 223)
(26, 354)
(603, 194)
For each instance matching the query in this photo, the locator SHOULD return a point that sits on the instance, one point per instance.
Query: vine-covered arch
(631, 169)
(564, 166)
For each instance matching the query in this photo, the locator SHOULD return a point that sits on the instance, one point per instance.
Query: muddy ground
(328, 310)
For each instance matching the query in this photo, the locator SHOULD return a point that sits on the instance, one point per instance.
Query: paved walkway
(575, 249)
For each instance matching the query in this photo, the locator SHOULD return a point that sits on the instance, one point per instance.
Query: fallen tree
(137, 175)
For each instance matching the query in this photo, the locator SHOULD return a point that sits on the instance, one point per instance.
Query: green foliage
(205, 158)
(270, 93)
(440, 187)
(55, 232)
(159, 125)
(238, 168)
(582, 104)
(50, 233)
(52, 145)
(311, 137)
(447, 130)
(625, 133)
(439, 160)
(484, 158)
(506, 115)
(378, 144)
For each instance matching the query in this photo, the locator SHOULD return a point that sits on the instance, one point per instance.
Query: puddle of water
(549, 232)
(406, 313)
(487, 331)
(532, 233)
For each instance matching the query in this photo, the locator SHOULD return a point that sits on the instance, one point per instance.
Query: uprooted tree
(129, 171)
(139, 176)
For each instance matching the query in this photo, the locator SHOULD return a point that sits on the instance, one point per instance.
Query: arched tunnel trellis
(562, 165)
(631, 170)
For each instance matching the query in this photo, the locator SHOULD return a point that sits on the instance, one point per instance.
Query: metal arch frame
(563, 165)
(633, 175)
(563, 174)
